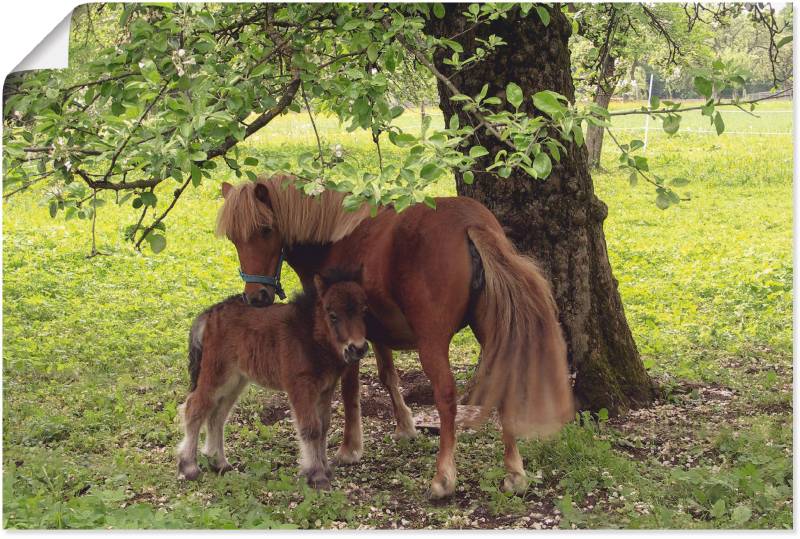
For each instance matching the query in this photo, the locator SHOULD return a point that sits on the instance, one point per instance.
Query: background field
(94, 366)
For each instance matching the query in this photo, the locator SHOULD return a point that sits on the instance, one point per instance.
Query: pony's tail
(523, 370)
(196, 349)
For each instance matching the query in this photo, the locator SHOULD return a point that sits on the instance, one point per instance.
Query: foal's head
(341, 305)
(247, 219)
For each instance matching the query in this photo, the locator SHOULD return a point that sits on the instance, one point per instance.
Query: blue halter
(274, 282)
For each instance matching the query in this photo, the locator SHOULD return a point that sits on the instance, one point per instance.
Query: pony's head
(264, 217)
(341, 306)
(247, 219)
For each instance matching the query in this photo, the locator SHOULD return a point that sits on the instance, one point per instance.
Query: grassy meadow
(94, 366)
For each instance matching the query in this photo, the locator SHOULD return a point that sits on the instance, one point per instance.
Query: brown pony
(427, 274)
(301, 348)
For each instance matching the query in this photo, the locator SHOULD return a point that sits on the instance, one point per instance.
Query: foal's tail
(523, 370)
(196, 349)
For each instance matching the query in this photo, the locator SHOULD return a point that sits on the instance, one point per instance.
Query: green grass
(95, 366)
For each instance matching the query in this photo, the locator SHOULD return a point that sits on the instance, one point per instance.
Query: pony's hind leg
(352, 446)
(516, 480)
(214, 449)
(324, 411)
(195, 411)
(435, 361)
(389, 379)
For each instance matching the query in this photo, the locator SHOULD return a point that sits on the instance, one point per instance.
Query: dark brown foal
(302, 348)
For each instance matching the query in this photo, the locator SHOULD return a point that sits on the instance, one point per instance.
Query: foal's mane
(299, 217)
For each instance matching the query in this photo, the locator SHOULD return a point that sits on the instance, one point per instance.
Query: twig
(782, 93)
(176, 195)
(28, 184)
(313, 124)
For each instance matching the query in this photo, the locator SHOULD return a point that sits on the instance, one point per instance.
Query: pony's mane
(299, 217)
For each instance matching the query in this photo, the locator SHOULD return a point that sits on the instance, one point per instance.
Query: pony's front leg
(389, 379)
(436, 364)
(351, 449)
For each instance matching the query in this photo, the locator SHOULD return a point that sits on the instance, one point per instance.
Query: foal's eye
(332, 316)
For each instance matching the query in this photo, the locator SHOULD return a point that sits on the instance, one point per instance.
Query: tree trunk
(558, 221)
(605, 89)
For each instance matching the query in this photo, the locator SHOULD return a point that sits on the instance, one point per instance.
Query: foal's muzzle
(353, 353)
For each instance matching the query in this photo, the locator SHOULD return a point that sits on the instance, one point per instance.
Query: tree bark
(605, 90)
(558, 221)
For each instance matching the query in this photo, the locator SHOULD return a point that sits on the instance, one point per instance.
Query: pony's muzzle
(264, 297)
(353, 353)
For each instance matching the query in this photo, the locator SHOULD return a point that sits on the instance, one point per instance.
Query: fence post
(647, 118)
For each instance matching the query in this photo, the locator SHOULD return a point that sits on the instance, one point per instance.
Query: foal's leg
(324, 411)
(434, 357)
(352, 447)
(197, 408)
(304, 397)
(389, 379)
(215, 436)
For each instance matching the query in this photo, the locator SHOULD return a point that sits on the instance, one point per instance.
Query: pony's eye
(265, 230)
(332, 316)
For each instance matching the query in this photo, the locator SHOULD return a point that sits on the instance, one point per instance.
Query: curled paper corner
(52, 52)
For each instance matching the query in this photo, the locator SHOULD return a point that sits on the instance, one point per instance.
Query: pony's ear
(226, 188)
(262, 194)
(320, 285)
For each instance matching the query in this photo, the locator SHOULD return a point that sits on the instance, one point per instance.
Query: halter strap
(274, 282)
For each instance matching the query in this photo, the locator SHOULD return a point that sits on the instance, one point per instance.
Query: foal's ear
(226, 188)
(262, 194)
(320, 285)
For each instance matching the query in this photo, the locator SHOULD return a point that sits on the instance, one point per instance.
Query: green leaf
(783, 41)
(53, 208)
(250, 161)
(198, 155)
(438, 10)
(671, 124)
(655, 102)
(468, 177)
(741, 514)
(542, 165)
(547, 101)
(514, 94)
(719, 125)
(259, 70)
(636, 144)
(718, 509)
(662, 200)
(680, 182)
(430, 172)
(633, 179)
(148, 198)
(157, 242)
(478, 151)
(372, 52)
(197, 175)
(703, 86)
(544, 15)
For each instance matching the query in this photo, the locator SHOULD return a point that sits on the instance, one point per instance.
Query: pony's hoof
(346, 456)
(441, 488)
(319, 482)
(516, 483)
(189, 472)
(404, 433)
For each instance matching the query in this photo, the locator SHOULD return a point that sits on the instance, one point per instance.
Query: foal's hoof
(346, 456)
(221, 469)
(516, 483)
(441, 488)
(189, 472)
